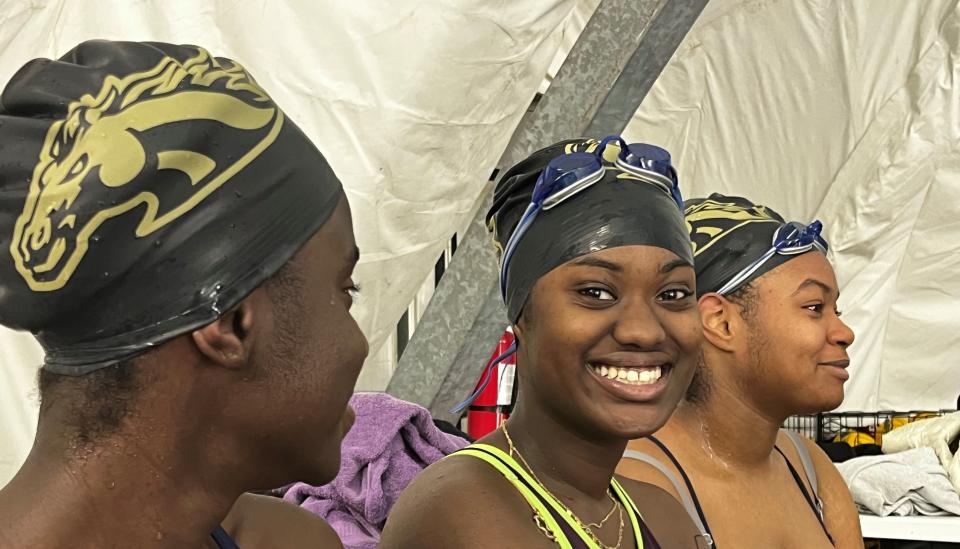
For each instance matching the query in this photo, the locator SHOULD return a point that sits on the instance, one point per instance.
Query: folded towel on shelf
(937, 433)
(907, 483)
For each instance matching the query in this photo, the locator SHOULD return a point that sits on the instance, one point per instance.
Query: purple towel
(389, 444)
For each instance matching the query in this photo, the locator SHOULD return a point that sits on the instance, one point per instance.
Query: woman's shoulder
(636, 465)
(459, 479)
(264, 521)
(458, 501)
(839, 510)
(662, 513)
(645, 494)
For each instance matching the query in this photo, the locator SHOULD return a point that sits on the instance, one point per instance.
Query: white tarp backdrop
(848, 112)
(843, 110)
(20, 356)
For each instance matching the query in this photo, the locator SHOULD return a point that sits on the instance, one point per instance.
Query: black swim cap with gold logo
(728, 234)
(145, 189)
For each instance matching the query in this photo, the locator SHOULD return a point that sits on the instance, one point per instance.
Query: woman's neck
(727, 427)
(117, 493)
(570, 464)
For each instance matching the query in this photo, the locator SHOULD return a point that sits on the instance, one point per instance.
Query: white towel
(907, 483)
(936, 433)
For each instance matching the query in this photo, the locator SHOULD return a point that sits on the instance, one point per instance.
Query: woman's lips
(837, 367)
(632, 383)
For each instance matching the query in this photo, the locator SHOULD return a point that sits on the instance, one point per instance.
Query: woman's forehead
(809, 270)
(637, 258)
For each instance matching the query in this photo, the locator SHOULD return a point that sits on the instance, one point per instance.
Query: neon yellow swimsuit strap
(631, 508)
(477, 451)
(562, 511)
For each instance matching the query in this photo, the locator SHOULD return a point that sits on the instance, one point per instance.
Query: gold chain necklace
(588, 528)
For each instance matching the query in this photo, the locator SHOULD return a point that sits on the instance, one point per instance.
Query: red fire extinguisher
(492, 399)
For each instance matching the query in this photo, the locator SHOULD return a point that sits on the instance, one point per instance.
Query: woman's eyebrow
(587, 261)
(827, 289)
(675, 264)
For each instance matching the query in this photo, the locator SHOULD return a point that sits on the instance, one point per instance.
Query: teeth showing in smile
(630, 376)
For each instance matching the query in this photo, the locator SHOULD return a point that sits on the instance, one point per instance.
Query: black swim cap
(145, 189)
(614, 212)
(728, 234)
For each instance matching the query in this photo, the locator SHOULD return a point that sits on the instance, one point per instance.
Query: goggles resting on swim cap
(572, 173)
(791, 238)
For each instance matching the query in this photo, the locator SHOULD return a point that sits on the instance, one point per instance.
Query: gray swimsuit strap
(678, 486)
(794, 438)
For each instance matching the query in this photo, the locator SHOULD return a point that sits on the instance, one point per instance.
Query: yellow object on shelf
(855, 438)
(890, 425)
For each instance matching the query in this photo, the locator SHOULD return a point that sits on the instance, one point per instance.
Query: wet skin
(788, 357)
(219, 412)
(629, 307)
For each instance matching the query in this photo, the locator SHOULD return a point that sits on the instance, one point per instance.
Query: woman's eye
(674, 294)
(815, 307)
(598, 293)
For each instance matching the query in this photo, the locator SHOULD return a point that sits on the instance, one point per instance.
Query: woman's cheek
(689, 329)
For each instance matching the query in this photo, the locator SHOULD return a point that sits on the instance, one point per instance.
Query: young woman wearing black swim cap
(774, 346)
(598, 280)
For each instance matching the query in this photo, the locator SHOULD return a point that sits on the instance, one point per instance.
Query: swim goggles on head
(790, 239)
(572, 173)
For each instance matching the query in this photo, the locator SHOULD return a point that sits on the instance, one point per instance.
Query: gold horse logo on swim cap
(710, 221)
(98, 143)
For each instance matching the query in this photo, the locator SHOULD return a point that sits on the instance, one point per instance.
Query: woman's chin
(637, 425)
(822, 399)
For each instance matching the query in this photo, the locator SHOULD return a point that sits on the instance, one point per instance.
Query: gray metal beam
(606, 75)
(448, 321)
(658, 41)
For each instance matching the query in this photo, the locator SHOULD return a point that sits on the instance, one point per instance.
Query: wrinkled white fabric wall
(848, 112)
(20, 356)
(412, 102)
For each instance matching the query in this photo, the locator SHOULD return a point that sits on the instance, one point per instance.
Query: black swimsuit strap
(647, 541)
(223, 539)
(696, 500)
(686, 480)
(806, 495)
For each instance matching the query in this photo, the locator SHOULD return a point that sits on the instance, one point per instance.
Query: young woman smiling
(597, 276)
(774, 346)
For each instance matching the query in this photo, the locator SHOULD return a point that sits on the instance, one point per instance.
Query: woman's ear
(228, 341)
(718, 324)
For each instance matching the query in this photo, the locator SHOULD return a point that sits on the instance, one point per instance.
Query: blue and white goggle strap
(525, 221)
(542, 192)
(807, 237)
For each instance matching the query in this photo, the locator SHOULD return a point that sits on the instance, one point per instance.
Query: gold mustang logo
(99, 143)
(710, 221)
